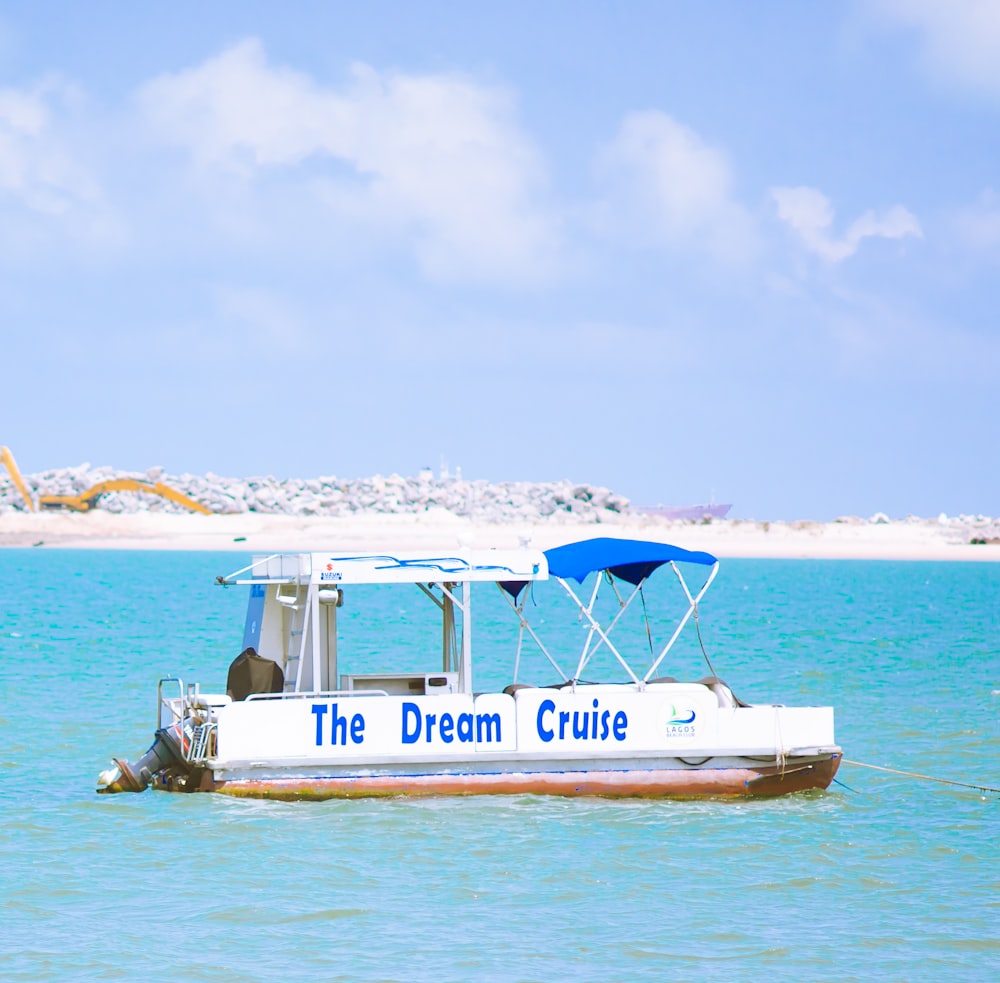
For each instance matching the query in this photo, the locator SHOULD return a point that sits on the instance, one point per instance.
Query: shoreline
(855, 539)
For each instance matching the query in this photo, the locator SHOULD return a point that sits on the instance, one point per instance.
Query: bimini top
(334, 569)
(631, 560)
(628, 559)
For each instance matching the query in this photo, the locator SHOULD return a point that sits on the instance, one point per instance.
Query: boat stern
(184, 741)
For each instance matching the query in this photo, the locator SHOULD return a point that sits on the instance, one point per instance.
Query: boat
(298, 721)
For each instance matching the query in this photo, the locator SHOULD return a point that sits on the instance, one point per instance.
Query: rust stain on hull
(756, 782)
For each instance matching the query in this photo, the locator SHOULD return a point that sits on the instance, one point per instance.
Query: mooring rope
(837, 781)
(697, 628)
(926, 778)
(645, 615)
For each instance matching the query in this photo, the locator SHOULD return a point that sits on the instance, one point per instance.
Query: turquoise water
(892, 879)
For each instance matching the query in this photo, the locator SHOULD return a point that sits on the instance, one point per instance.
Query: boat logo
(680, 723)
(329, 573)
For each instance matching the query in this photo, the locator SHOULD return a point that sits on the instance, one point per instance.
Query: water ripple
(894, 881)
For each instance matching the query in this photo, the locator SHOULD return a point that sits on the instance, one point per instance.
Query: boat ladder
(202, 745)
(295, 638)
(190, 717)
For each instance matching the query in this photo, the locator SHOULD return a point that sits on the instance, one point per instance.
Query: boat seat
(726, 697)
(251, 673)
(514, 687)
(662, 679)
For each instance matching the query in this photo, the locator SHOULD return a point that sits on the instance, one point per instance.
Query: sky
(722, 251)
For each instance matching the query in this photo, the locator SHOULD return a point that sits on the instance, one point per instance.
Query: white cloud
(438, 160)
(959, 39)
(810, 215)
(670, 186)
(52, 201)
(978, 226)
(36, 168)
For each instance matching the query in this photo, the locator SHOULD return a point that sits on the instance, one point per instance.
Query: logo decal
(680, 724)
(679, 718)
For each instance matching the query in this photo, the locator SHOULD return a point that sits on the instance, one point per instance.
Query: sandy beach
(909, 539)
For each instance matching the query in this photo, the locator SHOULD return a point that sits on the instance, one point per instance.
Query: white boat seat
(514, 687)
(727, 699)
(511, 689)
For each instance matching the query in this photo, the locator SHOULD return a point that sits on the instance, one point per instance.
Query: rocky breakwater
(480, 500)
(980, 530)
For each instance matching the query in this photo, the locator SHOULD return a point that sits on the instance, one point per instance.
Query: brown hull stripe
(667, 783)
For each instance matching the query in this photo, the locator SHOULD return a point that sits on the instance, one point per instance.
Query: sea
(882, 877)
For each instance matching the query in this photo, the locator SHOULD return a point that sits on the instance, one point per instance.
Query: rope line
(837, 781)
(926, 778)
(645, 615)
(697, 628)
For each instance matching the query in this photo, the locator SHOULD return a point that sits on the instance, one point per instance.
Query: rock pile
(329, 496)
(980, 530)
(977, 529)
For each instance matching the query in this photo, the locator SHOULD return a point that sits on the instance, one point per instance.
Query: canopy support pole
(449, 629)
(466, 676)
(525, 626)
(622, 607)
(692, 605)
(312, 600)
(600, 631)
(588, 612)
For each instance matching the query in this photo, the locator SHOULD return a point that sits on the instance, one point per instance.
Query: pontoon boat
(294, 725)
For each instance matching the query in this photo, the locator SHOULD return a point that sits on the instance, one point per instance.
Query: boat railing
(190, 716)
(317, 694)
(275, 568)
(203, 743)
(170, 703)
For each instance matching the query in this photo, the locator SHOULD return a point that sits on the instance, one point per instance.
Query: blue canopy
(628, 559)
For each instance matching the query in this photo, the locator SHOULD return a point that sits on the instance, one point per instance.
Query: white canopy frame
(598, 635)
(623, 606)
(451, 642)
(595, 628)
(524, 625)
(692, 610)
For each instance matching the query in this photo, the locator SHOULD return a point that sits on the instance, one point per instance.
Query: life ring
(180, 735)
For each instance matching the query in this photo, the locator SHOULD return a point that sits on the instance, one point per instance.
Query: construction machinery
(88, 500)
(15, 475)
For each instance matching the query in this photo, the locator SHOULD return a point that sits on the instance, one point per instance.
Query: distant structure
(688, 513)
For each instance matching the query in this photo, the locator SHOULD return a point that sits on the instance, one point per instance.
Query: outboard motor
(176, 759)
(126, 777)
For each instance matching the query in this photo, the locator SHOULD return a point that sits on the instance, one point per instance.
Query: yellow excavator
(15, 475)
(88, 500)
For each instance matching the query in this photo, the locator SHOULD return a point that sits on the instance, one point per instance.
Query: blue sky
(747, 252)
